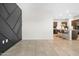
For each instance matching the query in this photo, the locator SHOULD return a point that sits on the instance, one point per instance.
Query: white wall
(37, 21)
(37, 18)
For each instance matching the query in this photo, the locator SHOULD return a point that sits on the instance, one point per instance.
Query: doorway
(61, 29)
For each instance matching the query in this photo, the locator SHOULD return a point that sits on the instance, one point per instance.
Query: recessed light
(3, 42)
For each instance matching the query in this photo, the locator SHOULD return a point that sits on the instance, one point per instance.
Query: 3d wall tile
(10, 25)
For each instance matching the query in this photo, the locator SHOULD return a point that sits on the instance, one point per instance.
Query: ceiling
(55, 10)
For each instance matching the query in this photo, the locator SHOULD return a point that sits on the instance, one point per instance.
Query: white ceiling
(55, 10)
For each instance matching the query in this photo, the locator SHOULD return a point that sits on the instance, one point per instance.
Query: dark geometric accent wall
(10, 25)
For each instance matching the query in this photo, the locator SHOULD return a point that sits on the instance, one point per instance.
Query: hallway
(57, 47)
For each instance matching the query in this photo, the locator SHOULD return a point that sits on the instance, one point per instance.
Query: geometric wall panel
(10, 25)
